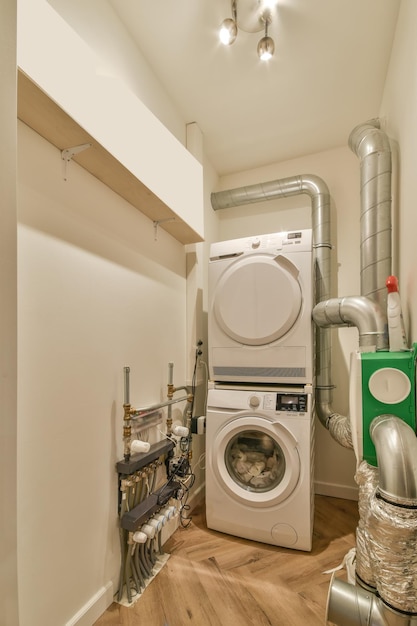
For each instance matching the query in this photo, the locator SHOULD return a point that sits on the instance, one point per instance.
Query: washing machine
(259, 464)
(260, 309)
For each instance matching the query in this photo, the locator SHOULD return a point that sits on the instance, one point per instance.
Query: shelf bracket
(156, 224)
(68, 153)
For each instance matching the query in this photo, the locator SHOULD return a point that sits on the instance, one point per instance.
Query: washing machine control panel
(291, 402)
(284, 402)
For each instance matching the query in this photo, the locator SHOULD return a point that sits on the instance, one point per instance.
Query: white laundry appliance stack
(259, 428)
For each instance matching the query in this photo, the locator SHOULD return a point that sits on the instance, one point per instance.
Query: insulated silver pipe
(388, 531)
(366, 478)
(396, 448)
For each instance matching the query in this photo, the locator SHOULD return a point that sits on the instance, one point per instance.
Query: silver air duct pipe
(352, 311)
(372, 147)
(390, 537)
(318, 192)
(396, 448)
(353, 606)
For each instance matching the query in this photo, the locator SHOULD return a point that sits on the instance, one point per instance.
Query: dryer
(260, 305)
(259, 455)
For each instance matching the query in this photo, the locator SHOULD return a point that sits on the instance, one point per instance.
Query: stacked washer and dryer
(260, 427)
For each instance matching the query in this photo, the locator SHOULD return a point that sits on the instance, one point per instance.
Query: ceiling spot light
(228, 28)
(228, 32)
(253, 17)
(266, 46)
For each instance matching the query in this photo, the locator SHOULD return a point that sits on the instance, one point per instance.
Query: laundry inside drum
(255, 461)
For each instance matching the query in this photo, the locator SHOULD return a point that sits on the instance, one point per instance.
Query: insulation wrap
(366, 478)
(339, 428)
(393, 544)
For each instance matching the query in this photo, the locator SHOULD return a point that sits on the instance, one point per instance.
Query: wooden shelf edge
(45, 117)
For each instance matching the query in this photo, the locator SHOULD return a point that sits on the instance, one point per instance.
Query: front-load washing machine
(260, 304)
(259, 464)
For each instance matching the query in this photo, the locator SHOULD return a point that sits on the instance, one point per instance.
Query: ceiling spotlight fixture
(228, 28)
(266, 46)
(254, 16)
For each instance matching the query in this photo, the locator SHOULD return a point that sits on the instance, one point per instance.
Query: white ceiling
(327, 74)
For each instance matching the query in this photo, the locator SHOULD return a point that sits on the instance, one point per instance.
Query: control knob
(254, 402)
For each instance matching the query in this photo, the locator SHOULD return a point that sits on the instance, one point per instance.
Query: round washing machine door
(258, 299)
(256, 460)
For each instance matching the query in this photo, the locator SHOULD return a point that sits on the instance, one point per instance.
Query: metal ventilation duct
(372, 147)
(386, 565)
(317, 190)
(366, 312)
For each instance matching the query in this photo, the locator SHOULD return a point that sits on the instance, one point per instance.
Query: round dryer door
(258, 299)
(256, 461)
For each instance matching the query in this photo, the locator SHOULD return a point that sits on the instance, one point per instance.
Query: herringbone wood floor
(212, 579)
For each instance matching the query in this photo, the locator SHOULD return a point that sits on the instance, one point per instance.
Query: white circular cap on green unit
(389, 385)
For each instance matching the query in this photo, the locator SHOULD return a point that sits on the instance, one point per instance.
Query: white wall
(8, 329)
(135, 137)
(398, 109)
(335, 466)
(96, 293)
(99, 25)
(197, 306)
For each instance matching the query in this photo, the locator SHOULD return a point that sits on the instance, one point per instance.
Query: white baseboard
(100, 601)
(94, 608)
(336, 491)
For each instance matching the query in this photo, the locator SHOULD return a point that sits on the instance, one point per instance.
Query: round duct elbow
(308, 184)
(354, 311)
(396, 449)
(349, 605)
(367, 138)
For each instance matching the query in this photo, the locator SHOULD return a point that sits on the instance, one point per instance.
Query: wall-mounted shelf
(43, 115)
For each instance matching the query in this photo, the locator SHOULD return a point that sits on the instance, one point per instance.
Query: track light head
(254, 16)
(228, 31)
(266, 48)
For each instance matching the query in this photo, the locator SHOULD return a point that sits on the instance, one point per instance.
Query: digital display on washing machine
(291, 402)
